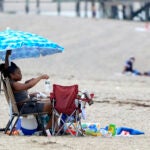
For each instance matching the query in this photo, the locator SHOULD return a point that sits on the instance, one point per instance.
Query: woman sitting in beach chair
(21, 95)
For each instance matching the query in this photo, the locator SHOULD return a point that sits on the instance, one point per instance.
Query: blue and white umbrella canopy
(26, 45)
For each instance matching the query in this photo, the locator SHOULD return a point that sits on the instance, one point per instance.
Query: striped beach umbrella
(26, 45)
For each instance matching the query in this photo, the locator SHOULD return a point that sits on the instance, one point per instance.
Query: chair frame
(77, 121)
(14, 108)
(76, 113)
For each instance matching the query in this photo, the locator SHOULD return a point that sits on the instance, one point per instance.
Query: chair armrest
(27, 101)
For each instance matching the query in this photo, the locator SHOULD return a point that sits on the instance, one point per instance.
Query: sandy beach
(95, 52)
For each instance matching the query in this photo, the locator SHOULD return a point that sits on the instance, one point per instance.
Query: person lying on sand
(128, 68)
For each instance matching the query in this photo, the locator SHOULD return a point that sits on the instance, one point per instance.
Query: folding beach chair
(13, 108)
(66, 102)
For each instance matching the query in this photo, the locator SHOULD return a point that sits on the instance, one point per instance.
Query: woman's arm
(8, 53)
(25, 86)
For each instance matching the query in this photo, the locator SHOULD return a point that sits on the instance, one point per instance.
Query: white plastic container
(29, 125)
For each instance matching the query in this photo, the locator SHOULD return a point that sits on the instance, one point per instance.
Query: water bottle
(47, 86)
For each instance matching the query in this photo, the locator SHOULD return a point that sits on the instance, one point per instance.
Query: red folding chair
(66, 102)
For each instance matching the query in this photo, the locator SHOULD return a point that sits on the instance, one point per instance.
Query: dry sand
(95, 51)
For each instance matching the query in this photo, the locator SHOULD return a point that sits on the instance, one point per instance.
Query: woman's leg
(48, 108)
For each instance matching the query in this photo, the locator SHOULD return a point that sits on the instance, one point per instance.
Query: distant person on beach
(128, 68)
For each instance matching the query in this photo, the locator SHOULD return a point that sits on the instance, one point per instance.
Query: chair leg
(55, 126)
(14, 125)
(53, 122)
(61, 128)
(67, 126)
(76, 124)
(78, 121)
(40, 120)
(53, 118)
(8, 124)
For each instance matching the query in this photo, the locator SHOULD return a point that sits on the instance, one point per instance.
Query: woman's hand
(44, 76)
(8, 52)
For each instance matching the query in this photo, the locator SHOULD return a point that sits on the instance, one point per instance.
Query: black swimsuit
(30, 107)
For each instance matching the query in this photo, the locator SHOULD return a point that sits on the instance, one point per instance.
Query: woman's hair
(7, 71)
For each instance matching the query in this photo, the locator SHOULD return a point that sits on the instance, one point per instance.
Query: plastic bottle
(112, 129)
(47, 86)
